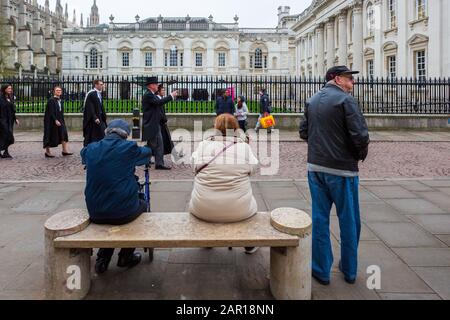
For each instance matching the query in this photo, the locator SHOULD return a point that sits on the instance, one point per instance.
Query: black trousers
(157, 146)
(108, 253)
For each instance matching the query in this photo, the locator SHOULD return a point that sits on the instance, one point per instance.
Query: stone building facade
(34, 41)
(182, 46)
(380, 38)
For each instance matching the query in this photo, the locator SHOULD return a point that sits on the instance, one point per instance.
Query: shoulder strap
(213, 159)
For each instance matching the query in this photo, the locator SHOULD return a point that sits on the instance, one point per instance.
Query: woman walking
(242, 112)
(7, 120)
(55, 131)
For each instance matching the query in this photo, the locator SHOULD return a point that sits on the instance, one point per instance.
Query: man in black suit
(94, 115)
(152, 107)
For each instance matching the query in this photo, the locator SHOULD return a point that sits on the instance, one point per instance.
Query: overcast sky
(252, 13)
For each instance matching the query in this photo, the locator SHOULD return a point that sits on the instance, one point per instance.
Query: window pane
(148, 59)
(258, 59)
(222, 60)
(392, 66)
(421, 69)
(174, 57)
(125, 59)
(93, 59)
(198, 59)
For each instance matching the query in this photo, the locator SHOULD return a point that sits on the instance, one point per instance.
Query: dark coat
(54, 135)
(165, 132)
(335, 129)
(264, 104)
(93, 110)
(111, 189)
(152, 107)
(225, 105)
(7, 121)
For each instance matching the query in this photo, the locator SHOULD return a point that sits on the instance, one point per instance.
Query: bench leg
(290, 271)
(67, 271)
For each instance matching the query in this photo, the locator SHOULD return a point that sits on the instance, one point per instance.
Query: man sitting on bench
(111, 189)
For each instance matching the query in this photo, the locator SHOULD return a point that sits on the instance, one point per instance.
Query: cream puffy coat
(222, 191)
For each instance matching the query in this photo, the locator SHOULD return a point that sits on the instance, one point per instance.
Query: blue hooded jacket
(111, 188)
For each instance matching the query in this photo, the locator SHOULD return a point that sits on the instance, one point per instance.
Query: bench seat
(179, 230)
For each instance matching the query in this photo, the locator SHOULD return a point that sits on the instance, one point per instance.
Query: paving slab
(424, 257)
(435, 224)
(396, 276)
(404, 235)
(391, 192)
(437, 183)
(203, 256)
(437, 278)
(297, 204)
(413, 185)
(380, 212)
(414, 206)
(438, 198)
(409, 296)
(444, 238)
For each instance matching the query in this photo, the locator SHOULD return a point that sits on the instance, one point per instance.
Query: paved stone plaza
(406, 226)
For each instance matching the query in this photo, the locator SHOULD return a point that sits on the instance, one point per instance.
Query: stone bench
(70, 238)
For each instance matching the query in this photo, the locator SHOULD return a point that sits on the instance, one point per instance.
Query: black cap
(338, 71)
(151, 80)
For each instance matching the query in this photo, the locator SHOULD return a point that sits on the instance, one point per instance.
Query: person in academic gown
(55, 130)
(151, 107)
(94, 115)
(165, 132)
(7, 120)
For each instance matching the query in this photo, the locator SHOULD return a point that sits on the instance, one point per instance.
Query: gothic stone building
(33, 40)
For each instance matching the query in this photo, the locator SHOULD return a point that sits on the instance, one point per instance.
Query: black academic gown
(152, 107)
(7, 120)
(54, 135)
(165, 132)
(93, 110)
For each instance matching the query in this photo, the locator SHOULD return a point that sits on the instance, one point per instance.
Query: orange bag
(267, 122)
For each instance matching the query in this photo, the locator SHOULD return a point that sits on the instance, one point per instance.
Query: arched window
(258, 59)
(392, 13)
(370, 20)
(93, 59)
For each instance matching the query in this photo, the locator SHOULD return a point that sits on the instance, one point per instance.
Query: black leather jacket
(335, 129)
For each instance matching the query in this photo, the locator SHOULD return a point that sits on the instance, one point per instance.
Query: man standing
(224, 103)
(94, 116)
(264, 108)
(338, 139)
(152, 107)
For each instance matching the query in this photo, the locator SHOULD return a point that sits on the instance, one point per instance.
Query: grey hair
(122, 133)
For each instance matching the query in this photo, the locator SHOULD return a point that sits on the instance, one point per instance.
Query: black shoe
(162, 168)
(66, 154)
(348, 280)
(101, 265)
(129, 261)
(322, 282)
(49, 156)
(251, 250)
(7, 156)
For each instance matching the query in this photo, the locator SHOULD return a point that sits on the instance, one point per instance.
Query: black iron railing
(197, 94)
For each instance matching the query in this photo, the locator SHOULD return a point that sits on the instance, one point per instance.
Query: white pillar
(358, 38)
(379, 65)
(320, 54)
(330, 43)
(342, 53)
(403, 64)
(437, 38)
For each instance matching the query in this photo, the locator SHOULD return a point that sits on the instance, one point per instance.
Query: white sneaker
(251, 250)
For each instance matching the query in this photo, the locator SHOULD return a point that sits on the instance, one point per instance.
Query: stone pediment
(369, 51)
(390, 46)
(417, 39)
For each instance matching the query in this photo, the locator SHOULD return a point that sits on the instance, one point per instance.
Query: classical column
(342, 53)
(330, 42)
(358, 38)
(320, 51)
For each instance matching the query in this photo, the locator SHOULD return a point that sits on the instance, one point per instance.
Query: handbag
(213, 159)
(268, 121)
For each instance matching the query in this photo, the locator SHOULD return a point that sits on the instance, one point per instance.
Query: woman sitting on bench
(223, 165)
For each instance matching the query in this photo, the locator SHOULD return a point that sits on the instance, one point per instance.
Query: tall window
(148, 59)
(93, 59)
(370, 68)
(258, 59)
(199, 59)
(174, 56)
(421, 64)
(125, 59)
(421, 9)
(392, 66)
(392, 11)
(222, 59)
(370, 19)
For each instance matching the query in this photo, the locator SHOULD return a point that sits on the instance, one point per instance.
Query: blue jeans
(327, 189)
